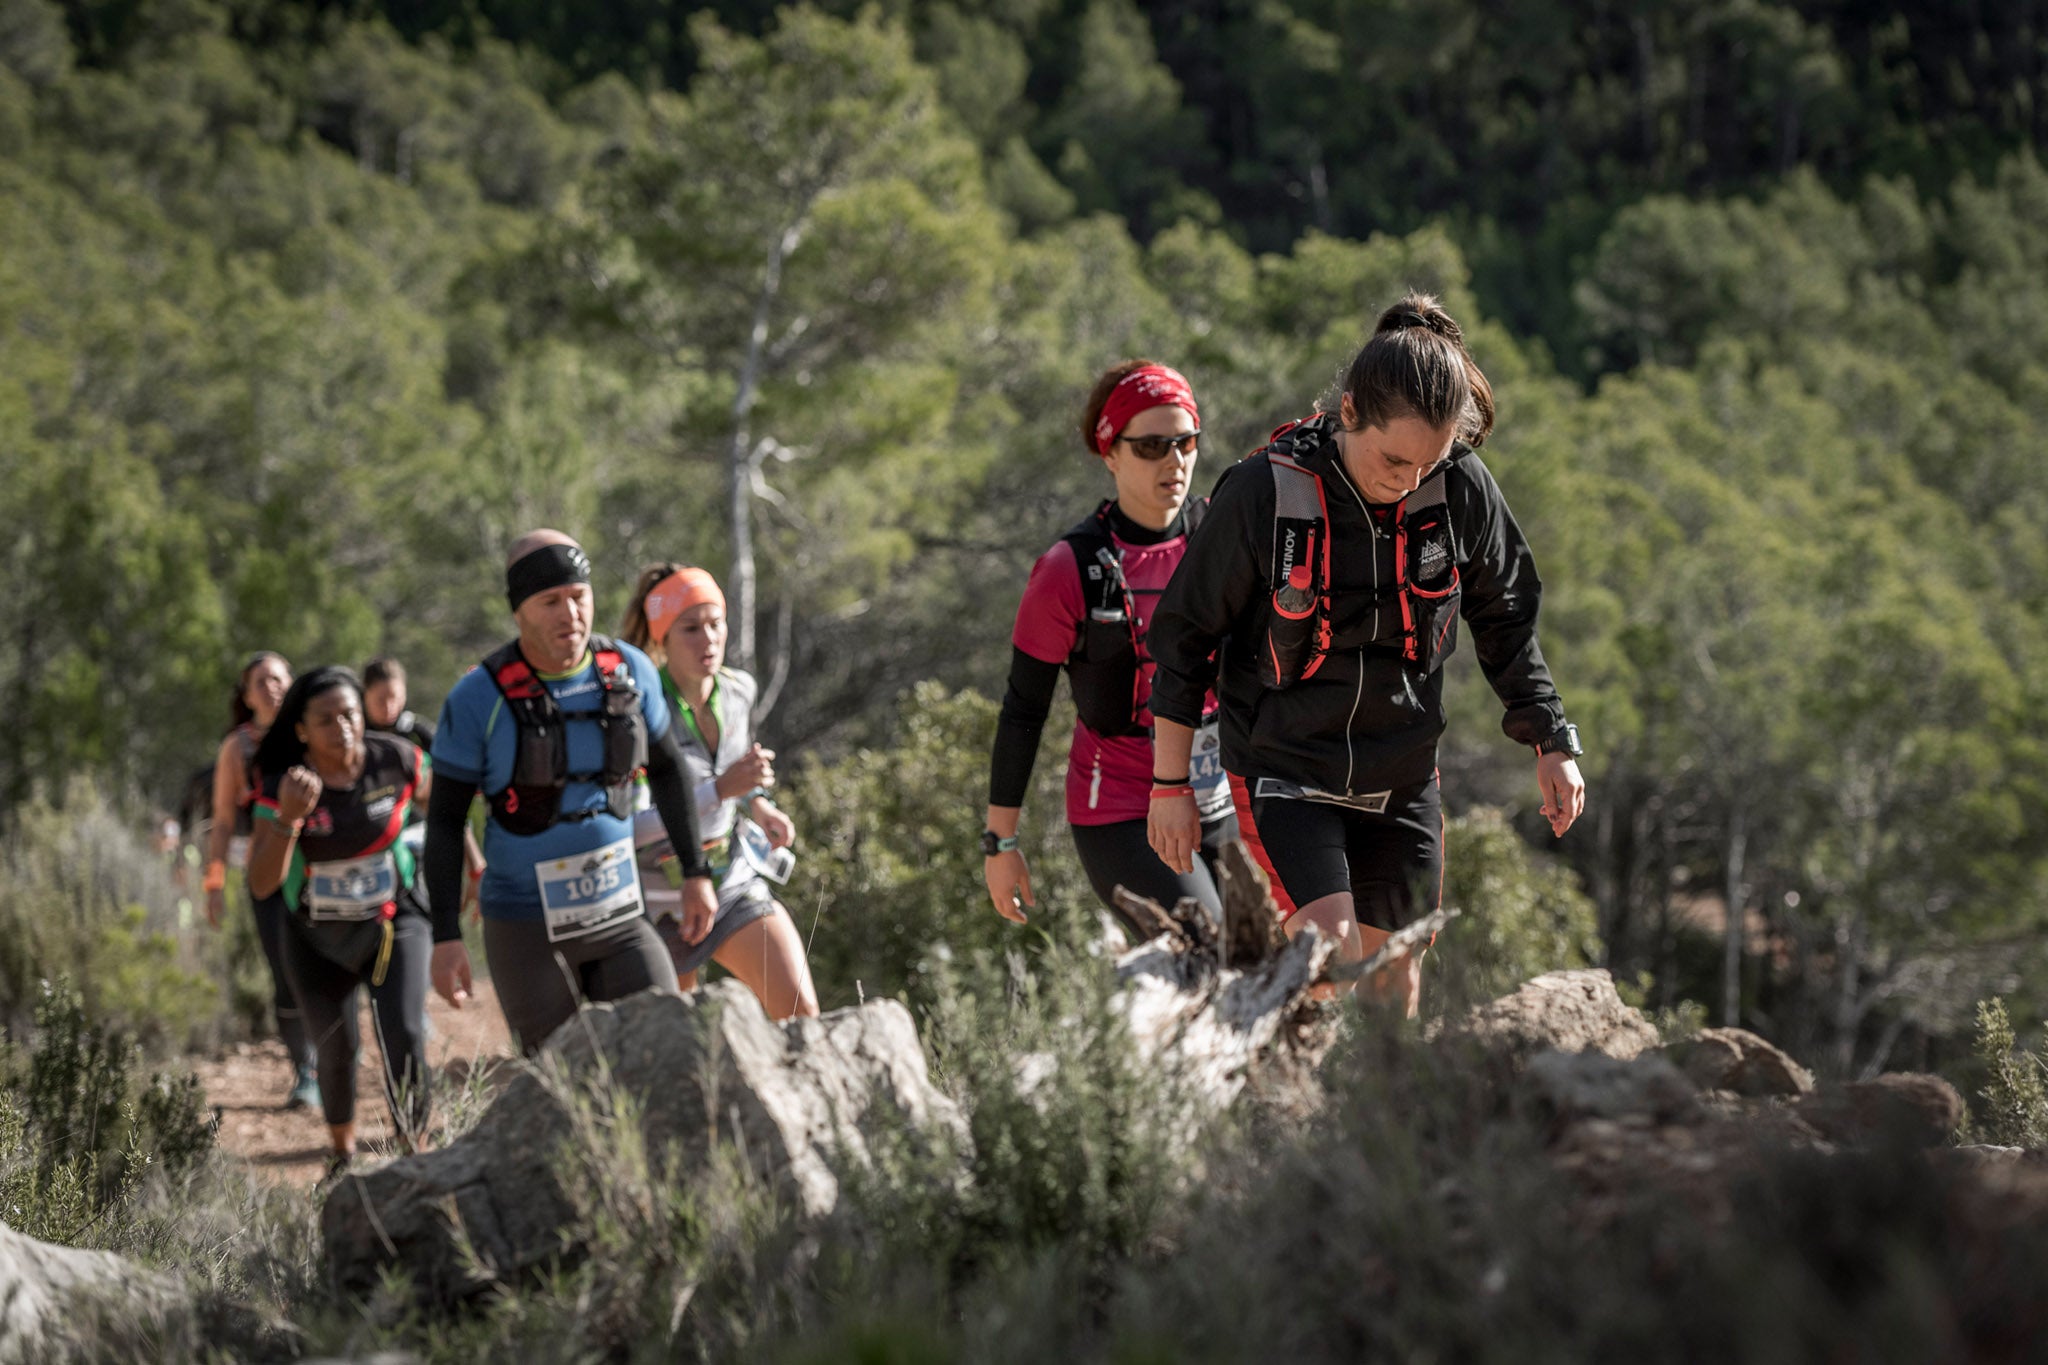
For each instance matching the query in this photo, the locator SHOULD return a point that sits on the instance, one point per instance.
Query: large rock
(1904, 1107)
(1738, 1061)
(795, 1098)
(1565, 1087)
(42, 1286)
(1575, 1011)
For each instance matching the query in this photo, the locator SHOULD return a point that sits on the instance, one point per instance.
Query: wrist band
(1181, 781)
(216, 876)
(1183, 789)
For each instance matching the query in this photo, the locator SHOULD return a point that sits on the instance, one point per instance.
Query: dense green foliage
(305, 309)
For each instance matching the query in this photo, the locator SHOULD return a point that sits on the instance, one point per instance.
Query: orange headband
(676, 594)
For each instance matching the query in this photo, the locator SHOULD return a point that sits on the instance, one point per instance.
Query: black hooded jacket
(1368, 720)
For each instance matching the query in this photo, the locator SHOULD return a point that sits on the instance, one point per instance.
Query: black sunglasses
(1152, 448)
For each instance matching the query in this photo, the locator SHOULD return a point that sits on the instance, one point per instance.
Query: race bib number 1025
(586, 892)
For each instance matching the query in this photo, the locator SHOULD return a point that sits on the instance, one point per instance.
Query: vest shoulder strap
(1094, 560)
(514, 677)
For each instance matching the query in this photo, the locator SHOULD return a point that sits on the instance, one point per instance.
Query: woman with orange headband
(1086, 610)
(678, 616)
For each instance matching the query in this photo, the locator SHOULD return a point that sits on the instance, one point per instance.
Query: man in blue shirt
(552, 729)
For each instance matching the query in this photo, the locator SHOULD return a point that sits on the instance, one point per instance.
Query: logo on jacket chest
(1433, 560)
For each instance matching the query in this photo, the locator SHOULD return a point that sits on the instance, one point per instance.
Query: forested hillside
(306, 309)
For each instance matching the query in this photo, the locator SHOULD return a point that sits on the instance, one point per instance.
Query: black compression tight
(398, 1011)
(541, 984)
(1120, 855)
(284, 1004)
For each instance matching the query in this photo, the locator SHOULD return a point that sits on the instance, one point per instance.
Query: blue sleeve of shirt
(653, 703)
(459, 740)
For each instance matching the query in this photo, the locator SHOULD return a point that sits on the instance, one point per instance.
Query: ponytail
(1416, 365)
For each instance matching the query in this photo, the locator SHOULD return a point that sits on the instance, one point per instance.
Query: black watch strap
(1564, 740)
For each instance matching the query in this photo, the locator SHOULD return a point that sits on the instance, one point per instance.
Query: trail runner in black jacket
(1319, 599)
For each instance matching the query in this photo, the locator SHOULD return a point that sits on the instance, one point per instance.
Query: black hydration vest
(1306, 619)
(532, 801)
(1109, 653)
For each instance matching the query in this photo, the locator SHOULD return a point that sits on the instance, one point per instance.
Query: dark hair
(633, 627)
(1091, 412)
(383, 668)
(282, 749)
(238, 705)
(1416, 365)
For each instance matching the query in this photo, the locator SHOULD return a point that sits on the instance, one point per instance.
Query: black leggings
(1120, 855)
(284, 1004)
(540, 984)
(398, 1011)
(1392, 862)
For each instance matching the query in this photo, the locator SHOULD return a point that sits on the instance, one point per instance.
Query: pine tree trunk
(741, 584)
(1731, 944)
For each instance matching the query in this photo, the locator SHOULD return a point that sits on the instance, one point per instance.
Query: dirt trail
(248, 1084)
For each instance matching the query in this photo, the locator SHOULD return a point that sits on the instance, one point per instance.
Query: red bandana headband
(1148, 386)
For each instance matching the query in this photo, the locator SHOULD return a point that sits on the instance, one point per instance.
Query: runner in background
(678, 616)
(384, 699)
(1087, 609)
(384, 711)
(259, 689)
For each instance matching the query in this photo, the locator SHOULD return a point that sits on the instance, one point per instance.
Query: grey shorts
(732, 917)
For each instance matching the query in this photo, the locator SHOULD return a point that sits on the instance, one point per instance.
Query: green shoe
(305, 1090)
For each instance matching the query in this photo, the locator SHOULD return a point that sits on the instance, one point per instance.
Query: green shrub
(2014, 1097)
(1074, 1145)
(81, 1124)
(890, 876)
(89, 898)
(1524, 913)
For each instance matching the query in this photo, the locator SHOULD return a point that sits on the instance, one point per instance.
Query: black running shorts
(1390, 860)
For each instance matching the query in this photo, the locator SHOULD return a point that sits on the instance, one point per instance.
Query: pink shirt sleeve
(1049, 617)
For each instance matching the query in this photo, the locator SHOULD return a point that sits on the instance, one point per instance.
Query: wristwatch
(1564, 741)
(993, 843)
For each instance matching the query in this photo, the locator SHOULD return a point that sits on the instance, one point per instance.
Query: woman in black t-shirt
(331, 805)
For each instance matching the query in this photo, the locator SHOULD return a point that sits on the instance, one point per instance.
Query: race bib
(351, 889)
(1206, 775)
(584, 893)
